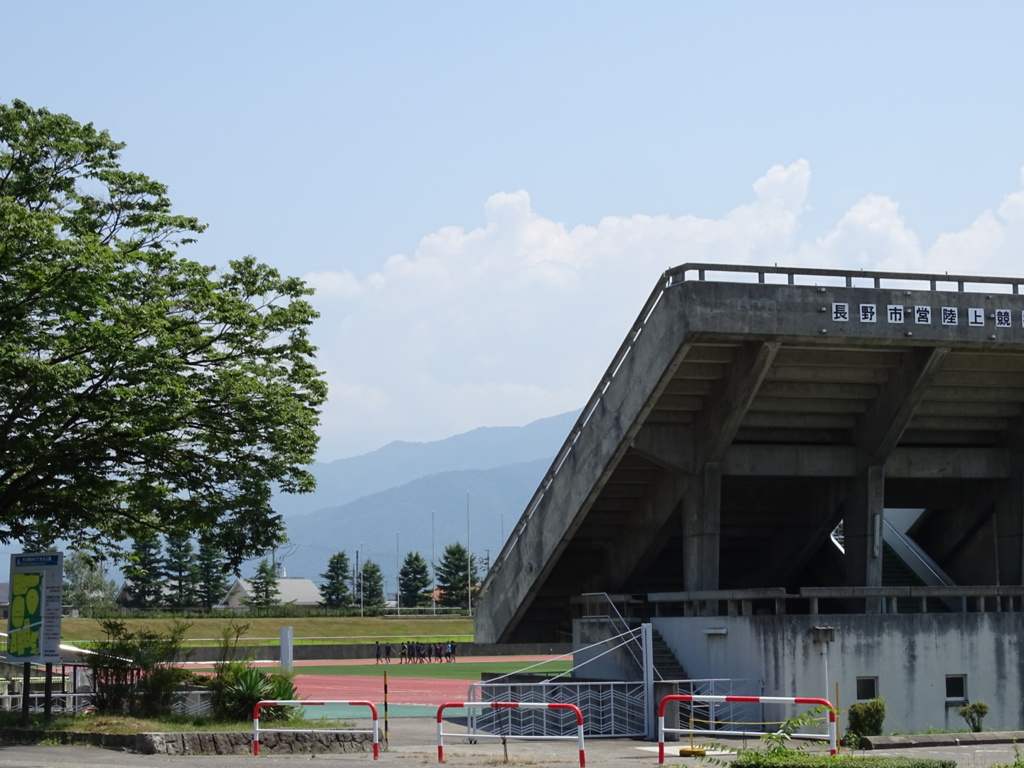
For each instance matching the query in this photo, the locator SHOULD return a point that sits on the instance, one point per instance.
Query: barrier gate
(662, 730)
(256, 722)
(511, 705)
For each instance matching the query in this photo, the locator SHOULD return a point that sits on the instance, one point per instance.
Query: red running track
(401, 690)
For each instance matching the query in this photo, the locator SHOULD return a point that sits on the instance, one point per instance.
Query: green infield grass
(318, 630)
(461, 670)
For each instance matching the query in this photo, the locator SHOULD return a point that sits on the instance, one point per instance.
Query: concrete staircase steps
(665, 662)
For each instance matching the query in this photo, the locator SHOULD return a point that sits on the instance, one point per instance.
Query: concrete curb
(941, 739)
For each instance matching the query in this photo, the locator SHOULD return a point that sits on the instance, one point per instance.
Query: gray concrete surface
(413, 741)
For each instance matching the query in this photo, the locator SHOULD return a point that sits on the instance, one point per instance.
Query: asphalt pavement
(413, 742)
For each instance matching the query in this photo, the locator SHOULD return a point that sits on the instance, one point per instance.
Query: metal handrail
(622, 627)
(680, 274)
(584, 417)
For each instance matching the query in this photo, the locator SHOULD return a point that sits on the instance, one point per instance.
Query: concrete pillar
(702, 526)
(1009, 532)
(862, 528)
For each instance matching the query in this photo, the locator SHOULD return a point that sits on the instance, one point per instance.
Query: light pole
(433, 567)
(361, 580)
(469, 563)
(398, 575)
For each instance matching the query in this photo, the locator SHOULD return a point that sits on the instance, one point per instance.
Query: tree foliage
(86, 586)
(414, 581)
(212, 573)
(138, 390)
(456, 571)
(371, 585)
(181, 570)
(335, 585)
(263, 586)
(145, 574)
(137, 673)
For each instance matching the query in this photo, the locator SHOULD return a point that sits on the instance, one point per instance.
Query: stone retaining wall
(202, 743)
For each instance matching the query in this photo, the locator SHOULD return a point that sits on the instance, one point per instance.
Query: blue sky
(485, 193)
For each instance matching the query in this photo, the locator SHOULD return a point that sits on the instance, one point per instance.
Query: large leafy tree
(335, 585)
(138, 390)
(456, 571)
(414, 581)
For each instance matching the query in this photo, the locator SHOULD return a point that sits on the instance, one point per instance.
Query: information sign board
(33, 633)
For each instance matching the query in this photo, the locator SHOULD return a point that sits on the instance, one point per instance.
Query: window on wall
(956, 687)
(867, 688)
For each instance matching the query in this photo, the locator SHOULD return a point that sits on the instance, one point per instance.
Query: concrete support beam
(709, 440)
(1009, 532)
(862, 527)
(717, 424)
(641, 537)
(878, 432)
(702, 524)
(668, 445)
(907, 463)
(880, 428)
(1009, 513)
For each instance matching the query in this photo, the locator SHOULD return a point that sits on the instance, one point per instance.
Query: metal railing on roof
(850, 278)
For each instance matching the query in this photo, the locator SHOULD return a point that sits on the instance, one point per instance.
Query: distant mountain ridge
(424, 515)
(420, 497)
(397, 463)
(415, 497)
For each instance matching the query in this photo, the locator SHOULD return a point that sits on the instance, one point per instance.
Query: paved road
(414, 742)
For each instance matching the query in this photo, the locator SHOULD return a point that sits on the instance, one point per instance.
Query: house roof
(295, 590)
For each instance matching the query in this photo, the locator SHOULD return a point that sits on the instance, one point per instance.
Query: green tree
(181, 571)
(86, 586)
(455, 572)
(212, 574)
(37, 538)
(138, 390)
(371, 584)
(414, 581)
(144, 573)
(334, 587)
(263, 586)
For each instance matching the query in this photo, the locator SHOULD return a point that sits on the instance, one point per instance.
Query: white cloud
(518, 319)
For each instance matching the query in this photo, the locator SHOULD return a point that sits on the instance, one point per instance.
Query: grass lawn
(462, 670)
(344, 629)
(127, 725)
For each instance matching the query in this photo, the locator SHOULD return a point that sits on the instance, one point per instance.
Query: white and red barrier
(511, 705)
(662, 730)
(259, 705)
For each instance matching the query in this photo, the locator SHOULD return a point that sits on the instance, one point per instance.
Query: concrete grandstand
(749, 412)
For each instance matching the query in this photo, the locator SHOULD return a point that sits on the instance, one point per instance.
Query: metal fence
(610, 709)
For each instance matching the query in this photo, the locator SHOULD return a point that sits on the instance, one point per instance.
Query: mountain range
(419, 497)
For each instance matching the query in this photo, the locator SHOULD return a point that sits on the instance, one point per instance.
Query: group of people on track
(413, 653)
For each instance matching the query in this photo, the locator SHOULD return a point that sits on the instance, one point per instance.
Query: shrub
(237, 687)
(865, 719)
(240, 688)
(973, 714)
(134, 672)
(753, 759)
